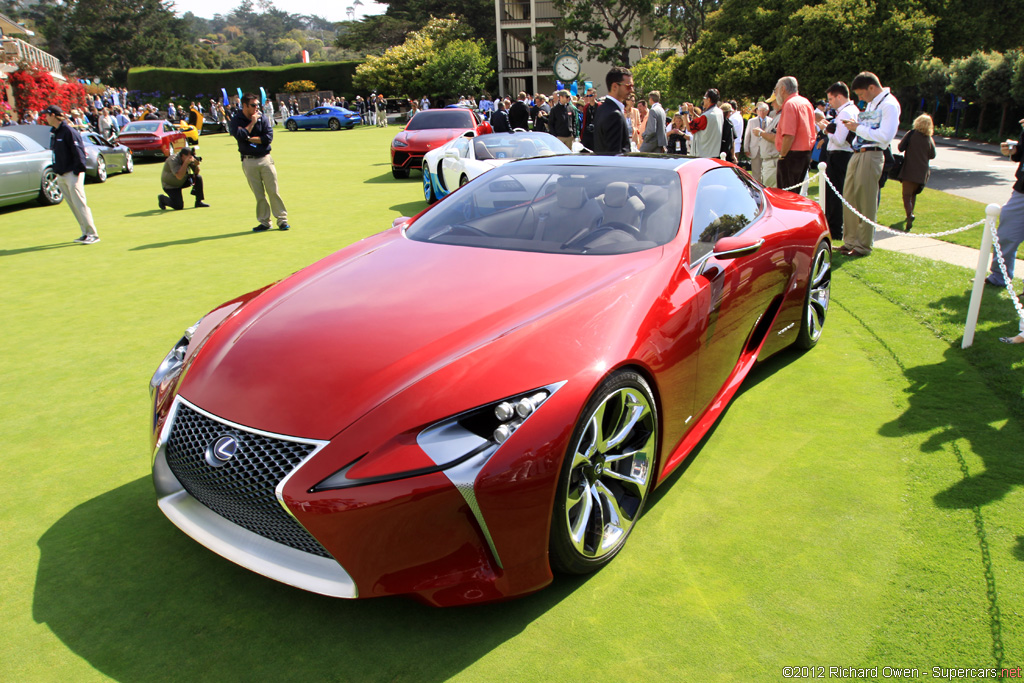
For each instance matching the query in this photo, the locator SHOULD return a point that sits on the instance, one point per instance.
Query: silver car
(26, 170)
(102, 156)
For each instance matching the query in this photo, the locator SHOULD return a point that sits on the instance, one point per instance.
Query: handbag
(897, 167)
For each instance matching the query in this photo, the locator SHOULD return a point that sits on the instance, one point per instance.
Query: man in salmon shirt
(795, 133)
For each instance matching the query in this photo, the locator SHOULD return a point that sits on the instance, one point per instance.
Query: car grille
(242, 489)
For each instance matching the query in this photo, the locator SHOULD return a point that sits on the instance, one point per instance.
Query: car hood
(429, 138)
(310, 355)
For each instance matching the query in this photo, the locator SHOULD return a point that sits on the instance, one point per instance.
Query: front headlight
(399, 143)
(477, 433)
(172, 363)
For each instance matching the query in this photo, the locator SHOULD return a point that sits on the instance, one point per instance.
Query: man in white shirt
(839, 153)
(706, 128)
(875, 128)
(736, 119)
(751, 144)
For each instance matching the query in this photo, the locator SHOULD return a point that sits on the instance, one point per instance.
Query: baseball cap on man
(54, 109)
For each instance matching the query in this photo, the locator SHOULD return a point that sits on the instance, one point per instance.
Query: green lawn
(857, 506)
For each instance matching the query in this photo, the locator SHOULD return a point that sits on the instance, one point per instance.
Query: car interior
(559, 210)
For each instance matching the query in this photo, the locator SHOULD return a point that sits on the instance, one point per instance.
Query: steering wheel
(604, 229)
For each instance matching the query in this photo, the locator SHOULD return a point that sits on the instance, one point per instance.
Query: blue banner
(239, 95)
(573, 89)
(587, 85)
(559, 85)
(224, 92)
(263, 96)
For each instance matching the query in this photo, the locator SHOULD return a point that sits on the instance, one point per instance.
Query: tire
(819, 287)
(601, 490)
(291, 125)
(428, 186)
(399, 172)
(334, 124)
(101, 169)
(463, 180)
(350, 126)
(49, 190)
(129, 163)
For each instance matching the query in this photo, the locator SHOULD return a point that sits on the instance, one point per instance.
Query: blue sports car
(334, 118)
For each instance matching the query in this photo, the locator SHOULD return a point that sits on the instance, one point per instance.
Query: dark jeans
(835, 169)
(174, 198)
(793, 168)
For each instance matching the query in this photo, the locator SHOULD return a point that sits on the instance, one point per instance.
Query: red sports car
(152, 138)
(488, 393)
(428, 130)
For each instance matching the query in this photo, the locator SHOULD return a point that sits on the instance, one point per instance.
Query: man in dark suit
(519, 113)
(611, 135)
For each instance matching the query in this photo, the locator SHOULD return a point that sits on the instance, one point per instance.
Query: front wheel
(606, 476)
(291, 125)
(49, 191)
(129, 163)
(428, 186)
(101, 169)
(819, 288)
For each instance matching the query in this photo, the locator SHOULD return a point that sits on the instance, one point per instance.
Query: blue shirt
(263, 130)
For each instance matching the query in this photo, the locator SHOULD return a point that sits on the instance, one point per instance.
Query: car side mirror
(450, 154)
(401, 222)
(736, 246)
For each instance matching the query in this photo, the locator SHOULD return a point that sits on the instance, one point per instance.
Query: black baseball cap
(54, 109)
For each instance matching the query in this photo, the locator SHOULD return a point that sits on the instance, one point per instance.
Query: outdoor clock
(567, 66)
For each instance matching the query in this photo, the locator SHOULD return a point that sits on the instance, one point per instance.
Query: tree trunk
(1002, 121)
(981, 117)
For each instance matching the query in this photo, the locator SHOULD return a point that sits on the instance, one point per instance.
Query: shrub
(34, 88)
(299, 86)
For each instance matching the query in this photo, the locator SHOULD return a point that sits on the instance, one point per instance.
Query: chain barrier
(801, 183)
(886, 228)
(1006, 278)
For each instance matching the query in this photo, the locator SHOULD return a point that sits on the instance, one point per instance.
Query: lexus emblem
(221, 451)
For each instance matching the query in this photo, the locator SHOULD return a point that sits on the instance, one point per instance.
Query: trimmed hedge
(164, 83)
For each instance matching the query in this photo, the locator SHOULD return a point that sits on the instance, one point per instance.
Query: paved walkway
(937, 249)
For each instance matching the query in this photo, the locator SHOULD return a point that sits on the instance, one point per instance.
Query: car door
(318, 117)
(732, 293)
(18, 171)
(453, 162)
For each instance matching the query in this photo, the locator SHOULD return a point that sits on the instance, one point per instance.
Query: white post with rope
(821, 184)
(984, 256)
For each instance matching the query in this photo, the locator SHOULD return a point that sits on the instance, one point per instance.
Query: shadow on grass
(388, 179)
(147, 213)
(139, 601)
(41, 247)
(191, 240)
(409, 209)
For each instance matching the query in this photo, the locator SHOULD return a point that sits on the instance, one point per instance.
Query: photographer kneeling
(181, 170)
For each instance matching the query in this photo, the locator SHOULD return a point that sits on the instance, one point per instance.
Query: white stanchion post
(821, 184)
(984, 256)
(805, 184)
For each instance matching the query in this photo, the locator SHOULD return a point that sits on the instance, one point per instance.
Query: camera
(197, 159)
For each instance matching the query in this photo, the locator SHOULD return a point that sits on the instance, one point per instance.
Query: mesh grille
(242, 489)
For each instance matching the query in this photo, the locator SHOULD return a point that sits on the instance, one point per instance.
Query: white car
(455, 163)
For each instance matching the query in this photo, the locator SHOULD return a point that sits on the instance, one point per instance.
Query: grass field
(857, 506)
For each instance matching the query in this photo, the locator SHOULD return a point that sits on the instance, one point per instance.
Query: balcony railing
(520, 12)
(517, 61)
(16, 50)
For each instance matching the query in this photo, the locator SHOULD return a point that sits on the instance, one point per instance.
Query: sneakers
(91, 239)
(202, 205)
(261, 228)
(81, 240)
(284, 226)
(162, 201)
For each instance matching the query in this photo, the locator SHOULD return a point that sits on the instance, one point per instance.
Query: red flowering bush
(34, 88)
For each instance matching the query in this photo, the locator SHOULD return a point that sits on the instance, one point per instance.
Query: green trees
(440, 59)
(748, 44)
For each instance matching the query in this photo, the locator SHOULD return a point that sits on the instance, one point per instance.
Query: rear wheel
(463, 180)
(606, 476)
(334, 124)
(49, 190)
(291, 125)
(101, 169)
(819, 287)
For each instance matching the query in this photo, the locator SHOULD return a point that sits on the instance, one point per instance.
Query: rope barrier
(805, 181)
(1002, 269)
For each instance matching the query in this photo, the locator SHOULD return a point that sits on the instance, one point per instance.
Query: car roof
(633, 160)
(37, 135)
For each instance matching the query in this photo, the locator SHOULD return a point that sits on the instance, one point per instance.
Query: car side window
(724, 206)
(9, 145)
(462, 147)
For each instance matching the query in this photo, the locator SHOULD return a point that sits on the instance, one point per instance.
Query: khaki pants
(262, 177)
(567, 142)
(755, 168)
(73, 186)
(861, 190)
(768, 171)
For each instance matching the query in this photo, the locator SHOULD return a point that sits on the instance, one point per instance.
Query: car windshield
(441, 118)
(517, 146)
(142, 127)
(558, 209)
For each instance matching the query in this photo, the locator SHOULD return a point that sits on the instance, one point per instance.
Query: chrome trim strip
(256, 553)
(464, 476)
